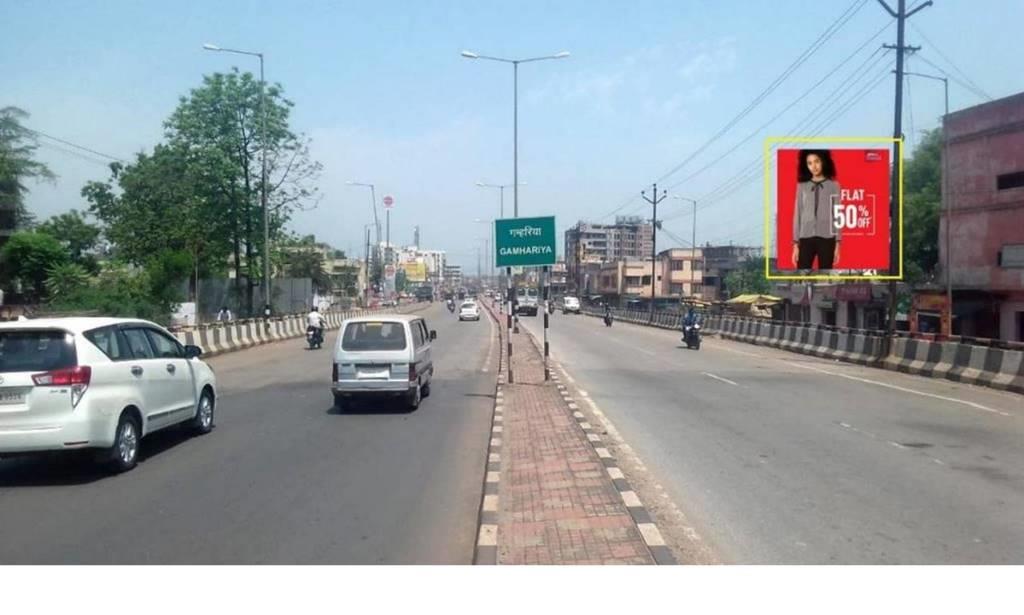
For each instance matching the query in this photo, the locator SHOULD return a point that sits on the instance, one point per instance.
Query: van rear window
(374, 336)
(38, 350)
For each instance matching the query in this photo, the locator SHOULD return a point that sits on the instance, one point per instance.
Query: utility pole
(366, 263)
(654, 237)
(895, 220)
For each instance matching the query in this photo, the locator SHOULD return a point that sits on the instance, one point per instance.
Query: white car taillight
(77, 378)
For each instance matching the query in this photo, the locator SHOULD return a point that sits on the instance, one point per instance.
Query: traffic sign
(525, 241)
(388, 202)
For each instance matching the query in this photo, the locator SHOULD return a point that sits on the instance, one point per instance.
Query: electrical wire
(977, 92)
(973, 86)
(75, 145)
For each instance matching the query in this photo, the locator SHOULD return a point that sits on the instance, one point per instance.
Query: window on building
(646, 280)
(1008, 181)
(677, 265)
(633, 280)
(676, 289)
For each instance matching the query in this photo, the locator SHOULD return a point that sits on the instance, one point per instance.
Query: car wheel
(425, 390)
(414, 397)
(340, 403)
(124, 454)
(203, 421)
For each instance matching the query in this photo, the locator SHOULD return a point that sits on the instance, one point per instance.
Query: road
(782, 458)
(282, 479)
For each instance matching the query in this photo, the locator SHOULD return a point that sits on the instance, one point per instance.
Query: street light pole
(376, 220)
(515, 111)
(946, 196)
(263, 169)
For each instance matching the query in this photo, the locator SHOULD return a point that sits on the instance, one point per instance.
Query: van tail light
(412, 372)
(77, 378)
(334, 372)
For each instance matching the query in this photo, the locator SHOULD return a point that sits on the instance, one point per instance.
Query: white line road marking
(726, 380)
(904, 389)
(749, 354)
(490, 347)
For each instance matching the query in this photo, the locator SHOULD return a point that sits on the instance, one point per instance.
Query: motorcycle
(451, 306)
(691, 336)
(608, 319)
(314, 337)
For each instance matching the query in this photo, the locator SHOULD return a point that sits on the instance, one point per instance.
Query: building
(680, 273)
(452, 276)
(854, 305)
(985, 156)
(719, 262)
(678, 276)
(629, 238)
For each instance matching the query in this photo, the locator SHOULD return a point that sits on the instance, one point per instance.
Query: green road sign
(525, 241)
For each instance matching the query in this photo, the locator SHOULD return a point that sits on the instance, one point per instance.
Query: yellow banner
(415, 272)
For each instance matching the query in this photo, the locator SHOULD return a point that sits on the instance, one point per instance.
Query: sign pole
(508, 321)
(546, 281)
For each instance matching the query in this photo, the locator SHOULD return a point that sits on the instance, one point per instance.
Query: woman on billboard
(815, 235)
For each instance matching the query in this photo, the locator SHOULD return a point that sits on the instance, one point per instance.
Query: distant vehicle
(383, 356)
(469, 311)
(100, 384)
(425, 293)
(570, 305)
(526, 301)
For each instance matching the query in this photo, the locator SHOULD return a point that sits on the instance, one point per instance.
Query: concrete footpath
(552, 493)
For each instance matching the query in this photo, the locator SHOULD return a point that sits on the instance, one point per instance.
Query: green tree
(309, 264)
(17, 165)
(66, 279)
(77, 236)
(922, 198)
(219, 125)
(748, 279)
(27, 258)
(401, 283)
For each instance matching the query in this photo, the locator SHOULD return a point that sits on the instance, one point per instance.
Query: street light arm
(211, 47)
(557, 56)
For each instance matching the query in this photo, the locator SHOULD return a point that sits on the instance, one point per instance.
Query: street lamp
(376, 221)
(945, 195)
(693, 243)
(263, 168)
(515, 111)
(490, 268)
(501, 188)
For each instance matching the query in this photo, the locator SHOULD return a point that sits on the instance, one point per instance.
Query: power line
(75, 145)
(76, 154)
(803, 57)
(785, 109)
(966, 77)
(977, 92)
(817, 44)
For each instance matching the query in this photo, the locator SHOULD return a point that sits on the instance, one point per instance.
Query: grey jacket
(812, 216)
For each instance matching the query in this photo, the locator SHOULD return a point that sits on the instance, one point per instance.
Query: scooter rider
(316, 320)
(607, 315)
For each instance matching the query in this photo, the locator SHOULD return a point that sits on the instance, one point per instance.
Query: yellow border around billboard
(768, 205)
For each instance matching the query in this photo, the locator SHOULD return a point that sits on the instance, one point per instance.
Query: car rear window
(39, 350)
(378, 335)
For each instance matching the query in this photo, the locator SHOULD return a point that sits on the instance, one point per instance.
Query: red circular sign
(388, 201)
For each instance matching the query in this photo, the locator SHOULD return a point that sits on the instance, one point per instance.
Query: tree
(66, 279)
(922, 198)
(219, 126)
(77, 236)
(27, 258)
(17, 164)
(309, 264)
(401, 282)
(748, 279)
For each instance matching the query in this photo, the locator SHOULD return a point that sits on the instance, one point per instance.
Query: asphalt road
(782, 458)
(282, 478)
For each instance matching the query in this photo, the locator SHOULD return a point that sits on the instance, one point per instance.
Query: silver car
(383, 356)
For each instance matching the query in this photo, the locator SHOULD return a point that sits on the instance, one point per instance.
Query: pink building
(986, 177)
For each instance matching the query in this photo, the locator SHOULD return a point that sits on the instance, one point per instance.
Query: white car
(469, 311)
(570, 305)
(97, 383)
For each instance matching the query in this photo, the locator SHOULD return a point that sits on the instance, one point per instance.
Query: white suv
(97, 383)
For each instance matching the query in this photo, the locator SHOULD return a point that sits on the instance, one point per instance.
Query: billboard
(831, 209)
(415, 272)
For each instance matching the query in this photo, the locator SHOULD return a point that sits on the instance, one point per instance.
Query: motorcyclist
(315, 320)
(691, 319)
(451, 304)
(607, 314)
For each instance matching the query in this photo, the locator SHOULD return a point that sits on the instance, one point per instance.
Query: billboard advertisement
(831, 210)
(415, 272)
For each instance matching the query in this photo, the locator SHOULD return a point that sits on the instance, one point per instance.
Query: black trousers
(824, 248)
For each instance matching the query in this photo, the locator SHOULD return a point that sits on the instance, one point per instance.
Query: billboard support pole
(546, 281)
(508, 322)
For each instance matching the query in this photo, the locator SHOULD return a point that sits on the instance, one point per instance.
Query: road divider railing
(222, 337)
(989, 363)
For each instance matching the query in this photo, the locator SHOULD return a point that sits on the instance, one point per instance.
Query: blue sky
(382, 91)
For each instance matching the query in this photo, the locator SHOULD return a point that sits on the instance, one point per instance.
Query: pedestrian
(815, 235)
(224, 315)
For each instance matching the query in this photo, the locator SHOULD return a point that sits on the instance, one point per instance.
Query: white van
(385, 355)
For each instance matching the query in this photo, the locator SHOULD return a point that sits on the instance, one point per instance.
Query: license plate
(374, 373)
(11, 398)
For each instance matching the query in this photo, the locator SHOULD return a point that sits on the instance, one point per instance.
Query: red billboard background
(863, 177)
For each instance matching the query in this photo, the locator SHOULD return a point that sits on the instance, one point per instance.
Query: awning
(754, 300)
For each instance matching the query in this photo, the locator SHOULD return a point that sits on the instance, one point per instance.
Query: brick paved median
(557, 503)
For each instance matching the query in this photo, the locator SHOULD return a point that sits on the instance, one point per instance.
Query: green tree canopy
(77, 236)
(922, 199)
(748, 279)
(17, 165)
(27, 258)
